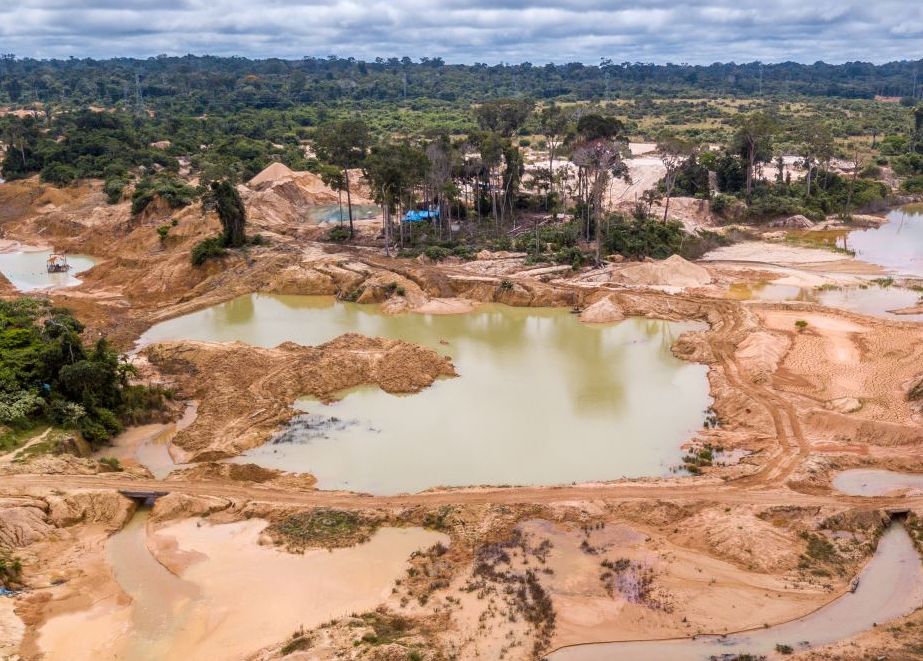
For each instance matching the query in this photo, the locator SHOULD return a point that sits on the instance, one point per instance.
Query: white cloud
(695, 31)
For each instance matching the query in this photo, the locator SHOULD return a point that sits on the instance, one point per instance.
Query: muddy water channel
(541, 398)
(890, 586)
(27, 271)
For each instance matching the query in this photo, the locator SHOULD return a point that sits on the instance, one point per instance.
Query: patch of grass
(392, 288)
(207, 249)
(10, 569)
(12, 438)
(438, 520)
(339, 234)
(386, 627)
(322, 527)
(351, 296)
(298, 643)
(819, 549)
(884, 283)
(112, 464)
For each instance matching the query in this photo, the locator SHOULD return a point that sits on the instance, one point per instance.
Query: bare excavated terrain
(523, 570)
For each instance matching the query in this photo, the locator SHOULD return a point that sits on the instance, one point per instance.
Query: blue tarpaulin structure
(416, 215)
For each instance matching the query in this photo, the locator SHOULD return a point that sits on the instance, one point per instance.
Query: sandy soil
(803, 403)
(283, 592)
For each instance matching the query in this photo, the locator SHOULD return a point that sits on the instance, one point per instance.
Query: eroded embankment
(245, 392)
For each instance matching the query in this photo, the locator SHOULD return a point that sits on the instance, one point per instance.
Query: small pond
(876, 482)
(27, 271)
(540, 399)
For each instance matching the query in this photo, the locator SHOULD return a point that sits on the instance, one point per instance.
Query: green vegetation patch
(48, 375)
(323, 527)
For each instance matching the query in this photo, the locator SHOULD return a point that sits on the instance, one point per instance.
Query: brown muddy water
(890, 586)
(541, 398)
(26, 270)
(874, 482)
(231, 595)
(872, 299)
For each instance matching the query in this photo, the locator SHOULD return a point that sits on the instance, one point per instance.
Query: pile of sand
(603, 311)
(272, 174)
(760, 353)
(792, 222)
(671, 272)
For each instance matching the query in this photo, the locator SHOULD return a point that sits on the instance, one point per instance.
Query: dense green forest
(49, 376)
(215, 84)
(426, 133)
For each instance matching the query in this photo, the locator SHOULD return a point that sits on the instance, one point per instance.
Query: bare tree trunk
(666, 206)
(751, 157)
(349, 203)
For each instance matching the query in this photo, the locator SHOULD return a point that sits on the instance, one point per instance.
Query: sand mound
(603, 311)
(671, 272)
(792, 222)
(760, 353)
(271, 174)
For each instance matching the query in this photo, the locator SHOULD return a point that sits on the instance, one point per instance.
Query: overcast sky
(539, 31)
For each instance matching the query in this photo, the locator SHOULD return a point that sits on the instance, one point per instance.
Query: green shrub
(169, 188)
(163, 231)
(207, 249)
(113, 188)
(338, 233)
(437, 253)
(913, 184)
(112, 463)
(59, 174)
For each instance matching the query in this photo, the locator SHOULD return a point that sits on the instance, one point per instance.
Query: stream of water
(890, 586)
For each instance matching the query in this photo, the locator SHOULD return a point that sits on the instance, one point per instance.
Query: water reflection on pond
(541, 398)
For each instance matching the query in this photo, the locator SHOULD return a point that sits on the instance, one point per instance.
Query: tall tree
(394, 171)
(503, 116)
(674, 152)
(753, 141)
(816, 147)
(553, 123)
(224, 199)
(599, 157)
(344, 143)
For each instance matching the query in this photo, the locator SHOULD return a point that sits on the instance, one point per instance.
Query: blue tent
(417, 216)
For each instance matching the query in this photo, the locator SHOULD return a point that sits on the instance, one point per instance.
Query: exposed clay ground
(716, 553)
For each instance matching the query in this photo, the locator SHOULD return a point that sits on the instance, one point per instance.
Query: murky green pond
(541, 398)
(27, 270)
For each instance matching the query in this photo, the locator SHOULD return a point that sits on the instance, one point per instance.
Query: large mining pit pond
(540, 399)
